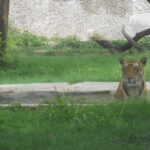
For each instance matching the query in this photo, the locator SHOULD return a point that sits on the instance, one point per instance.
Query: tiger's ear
(143, 60)
(121, 60)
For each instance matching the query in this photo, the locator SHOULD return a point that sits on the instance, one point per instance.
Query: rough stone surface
(36, 93)
(61, 87)
(74, 17)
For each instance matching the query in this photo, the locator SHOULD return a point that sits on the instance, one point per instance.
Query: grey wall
(74, 17)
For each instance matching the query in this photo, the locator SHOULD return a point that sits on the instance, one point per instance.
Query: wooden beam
(4, 10)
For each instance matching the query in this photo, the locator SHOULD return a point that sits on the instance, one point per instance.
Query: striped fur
(132, 83)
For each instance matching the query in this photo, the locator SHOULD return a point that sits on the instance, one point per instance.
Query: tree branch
(131, 40)
(112, 48)
(107, 44)
(137, 37)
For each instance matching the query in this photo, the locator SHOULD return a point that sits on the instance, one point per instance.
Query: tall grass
(116, 126)
(25, 68)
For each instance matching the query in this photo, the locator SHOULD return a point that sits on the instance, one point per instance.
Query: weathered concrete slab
(61, 87)
(36, 93)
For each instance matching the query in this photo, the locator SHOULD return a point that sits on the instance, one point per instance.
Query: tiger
(132, 83)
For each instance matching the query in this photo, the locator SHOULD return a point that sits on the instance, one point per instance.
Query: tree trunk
(107, 45)
(131, 40)
(137, 37)
(4, 10)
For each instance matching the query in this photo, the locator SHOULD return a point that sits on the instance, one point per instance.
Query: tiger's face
(132, 70)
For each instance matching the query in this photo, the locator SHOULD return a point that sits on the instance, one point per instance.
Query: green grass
(28, 67)
(116, 126)
(70, 60)
(20, 39)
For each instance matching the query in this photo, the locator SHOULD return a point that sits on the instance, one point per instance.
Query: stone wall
(74, 17)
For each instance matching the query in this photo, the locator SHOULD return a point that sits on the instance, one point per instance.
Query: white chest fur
(133, 87)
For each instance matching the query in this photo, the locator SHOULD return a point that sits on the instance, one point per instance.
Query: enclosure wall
(81, 18)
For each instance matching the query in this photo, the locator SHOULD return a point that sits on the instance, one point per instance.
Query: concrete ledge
(30, 95)
(63, 87)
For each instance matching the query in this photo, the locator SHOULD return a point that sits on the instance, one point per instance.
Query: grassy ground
(29, 67)
(68, 60)
(116, 126)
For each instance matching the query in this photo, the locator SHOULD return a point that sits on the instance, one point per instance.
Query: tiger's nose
(130, 80)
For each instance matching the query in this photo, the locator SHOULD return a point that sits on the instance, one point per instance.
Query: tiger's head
(133, 70)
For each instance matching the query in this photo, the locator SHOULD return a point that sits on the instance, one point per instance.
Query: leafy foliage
(24, 39)
(145, 43)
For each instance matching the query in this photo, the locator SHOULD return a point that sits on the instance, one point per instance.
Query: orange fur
(132, 83)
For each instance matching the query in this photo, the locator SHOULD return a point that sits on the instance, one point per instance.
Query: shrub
(17, 38)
